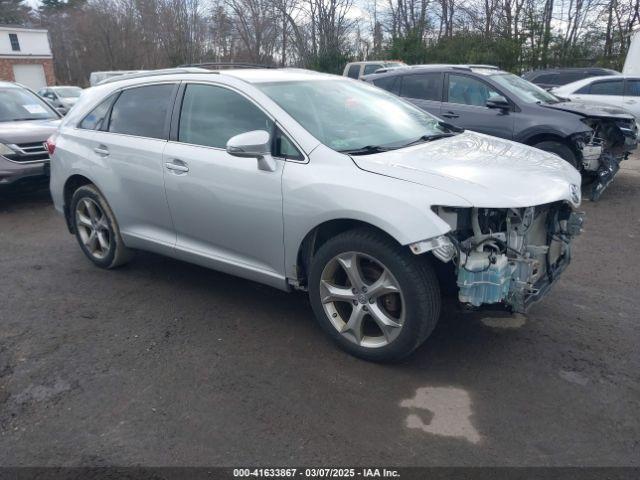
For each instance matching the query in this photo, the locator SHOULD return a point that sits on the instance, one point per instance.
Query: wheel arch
(322, 232)
(72, 184)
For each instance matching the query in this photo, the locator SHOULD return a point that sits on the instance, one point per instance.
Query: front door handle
(177, 166)
(101, 150)
(450, 115)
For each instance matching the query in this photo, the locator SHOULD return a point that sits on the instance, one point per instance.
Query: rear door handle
(177, 166)
(101, 150)
(450, 115)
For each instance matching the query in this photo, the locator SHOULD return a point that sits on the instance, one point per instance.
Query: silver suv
(301, 180)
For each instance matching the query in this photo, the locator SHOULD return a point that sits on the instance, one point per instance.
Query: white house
(25, 56)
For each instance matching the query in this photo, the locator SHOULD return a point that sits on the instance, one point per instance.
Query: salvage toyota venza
(306, 181)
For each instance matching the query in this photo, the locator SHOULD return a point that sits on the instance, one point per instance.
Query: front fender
(328, 189)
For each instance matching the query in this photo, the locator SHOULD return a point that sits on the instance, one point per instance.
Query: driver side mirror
(498, 101)
(254, 144)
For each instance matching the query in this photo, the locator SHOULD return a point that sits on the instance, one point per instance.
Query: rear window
(547, 79)
(95, 119)
(371, 68)
(142, 111)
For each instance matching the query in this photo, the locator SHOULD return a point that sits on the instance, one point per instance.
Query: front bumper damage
(601, 150)
(506, 257)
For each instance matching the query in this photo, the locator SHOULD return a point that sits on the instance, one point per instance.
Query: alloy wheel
(362, 299)
(93, 228)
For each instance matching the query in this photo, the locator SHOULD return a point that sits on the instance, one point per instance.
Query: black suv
(593, 138)
(555, 77)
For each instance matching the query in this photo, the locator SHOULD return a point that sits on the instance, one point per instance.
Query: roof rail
(153, 73)
(222, 65)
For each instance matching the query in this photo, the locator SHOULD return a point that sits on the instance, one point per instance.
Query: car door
(464, 105)
(127, 153)
(610, 91)
(423, 89)
(632, 96)
(227, 212)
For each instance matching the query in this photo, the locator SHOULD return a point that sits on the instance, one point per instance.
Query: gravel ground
(167, 363)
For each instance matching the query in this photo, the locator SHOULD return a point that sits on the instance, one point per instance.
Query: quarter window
(211, 115)
(390, 84)
(354, 71)
(142, 111)
(423, 86)
(469, 91)
(95, 119)
(633, 88)
(284, 148)
(609, 87)
(15, 44)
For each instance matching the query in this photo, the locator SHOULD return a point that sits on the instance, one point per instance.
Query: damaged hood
(486, 171)
(590, 109)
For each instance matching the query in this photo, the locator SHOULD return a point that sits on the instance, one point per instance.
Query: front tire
(560, 149)
(96, 228)
(373, 297)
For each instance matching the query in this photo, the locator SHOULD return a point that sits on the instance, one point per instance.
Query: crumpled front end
(507, 257)
(609, 143)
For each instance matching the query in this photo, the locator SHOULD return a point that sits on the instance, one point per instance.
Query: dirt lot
(166, 363)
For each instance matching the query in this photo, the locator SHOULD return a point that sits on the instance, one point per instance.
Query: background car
(622, 91)
(357, 70)
(591, 137)
(26, 121)
(61, 97)
(554, 77)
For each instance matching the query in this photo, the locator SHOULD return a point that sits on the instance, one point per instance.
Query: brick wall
(6, 68)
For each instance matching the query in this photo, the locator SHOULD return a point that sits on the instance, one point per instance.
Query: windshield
(524, 89)
(19, 104)
(348, 115)
(68, 92)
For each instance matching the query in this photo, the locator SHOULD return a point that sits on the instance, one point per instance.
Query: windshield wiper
(366, 150)
(430, 138)
(25, 119)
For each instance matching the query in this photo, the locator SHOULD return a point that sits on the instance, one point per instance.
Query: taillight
(51, 145)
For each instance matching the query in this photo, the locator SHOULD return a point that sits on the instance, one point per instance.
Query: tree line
(517, 35)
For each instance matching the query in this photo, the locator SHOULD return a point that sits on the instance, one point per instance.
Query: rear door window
(142, 111)
(607, 87)
(547, 79)
(423, 86)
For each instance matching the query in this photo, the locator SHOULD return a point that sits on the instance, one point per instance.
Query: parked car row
(593, 138)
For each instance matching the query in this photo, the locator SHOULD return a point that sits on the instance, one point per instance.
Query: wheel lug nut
(371, 300)
(365, 308)
(355, 302)
(364, 289)
(334, 315)
(354, 290)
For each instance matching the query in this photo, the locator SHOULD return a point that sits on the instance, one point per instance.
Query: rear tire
(560, 149)
(384, 310)
(96, 228)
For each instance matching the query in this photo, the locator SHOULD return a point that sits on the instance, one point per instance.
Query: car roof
(249, 75)
(9, 84)
(571, 87)
(473, 68)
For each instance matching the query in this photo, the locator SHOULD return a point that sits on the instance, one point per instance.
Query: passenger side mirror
(254, 144)
(498, 101)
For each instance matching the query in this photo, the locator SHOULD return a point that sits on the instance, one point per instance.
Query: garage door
(30, 75)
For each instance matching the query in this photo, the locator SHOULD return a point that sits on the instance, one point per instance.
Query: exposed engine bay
(505, 256)
(609, 142)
